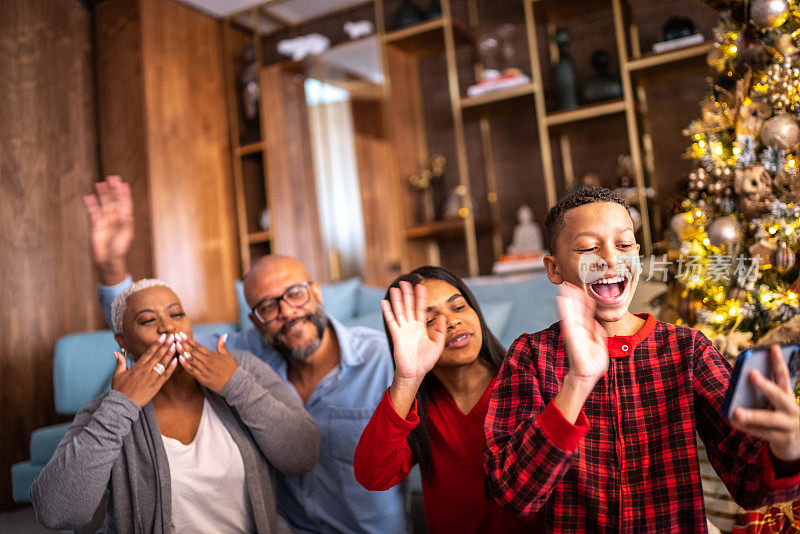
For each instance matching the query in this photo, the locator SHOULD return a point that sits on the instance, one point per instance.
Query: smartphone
(741, 392)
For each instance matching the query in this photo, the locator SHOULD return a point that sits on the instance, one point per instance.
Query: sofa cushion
(44, 442)
(244, 309)
(340, 298)
(533, 298)
(497, 316)
(369, 299)
(83, 364)
(22, 476)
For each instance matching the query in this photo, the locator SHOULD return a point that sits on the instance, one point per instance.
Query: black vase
(566, 78)
(408, 14)
(434, 9)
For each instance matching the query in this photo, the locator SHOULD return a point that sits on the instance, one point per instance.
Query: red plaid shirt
(630, 461)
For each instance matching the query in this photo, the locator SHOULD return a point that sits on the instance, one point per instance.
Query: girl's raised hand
(416, 348)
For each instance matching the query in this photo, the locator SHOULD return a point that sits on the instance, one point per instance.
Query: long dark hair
(491, 351)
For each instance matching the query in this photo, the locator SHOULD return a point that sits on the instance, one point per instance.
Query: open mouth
(610, 290)
(458, 341)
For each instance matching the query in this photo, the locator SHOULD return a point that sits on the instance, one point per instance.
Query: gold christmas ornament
(681, 224)
(716, 58)
(781, 132)
(766, 14)
(783, 258)
(762, 251)
(751, 117)
(787, 185)
(725, 232)
(786, 46)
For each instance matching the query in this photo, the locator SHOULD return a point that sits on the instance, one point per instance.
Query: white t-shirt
(209, 493)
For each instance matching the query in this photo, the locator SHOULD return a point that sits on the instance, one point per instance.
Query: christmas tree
(738, 229)
(737, 232)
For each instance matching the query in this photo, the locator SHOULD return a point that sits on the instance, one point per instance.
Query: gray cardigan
(112, 437)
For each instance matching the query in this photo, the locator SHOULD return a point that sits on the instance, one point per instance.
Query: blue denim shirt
(328, 499)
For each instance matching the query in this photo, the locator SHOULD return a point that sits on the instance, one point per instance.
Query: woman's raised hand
(416, 350)
(211, 369)
(142, 381)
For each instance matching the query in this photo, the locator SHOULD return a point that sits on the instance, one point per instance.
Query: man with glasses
(340, 373)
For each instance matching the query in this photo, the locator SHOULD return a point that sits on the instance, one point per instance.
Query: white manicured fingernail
(179, 346)
(162, 337)
(224, 338)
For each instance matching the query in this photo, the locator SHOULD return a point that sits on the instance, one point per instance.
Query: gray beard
(319, 319)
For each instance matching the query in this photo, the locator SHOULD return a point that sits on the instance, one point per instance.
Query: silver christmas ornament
(781, 132)
(725, 231)
(766, 14)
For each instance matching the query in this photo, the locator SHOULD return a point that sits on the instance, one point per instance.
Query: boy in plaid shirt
(594, 418)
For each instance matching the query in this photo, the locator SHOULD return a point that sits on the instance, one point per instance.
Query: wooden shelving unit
(447, 228)
(402, 101)
(586, 112)
(498, 97)
(429, 37)
(649, 61)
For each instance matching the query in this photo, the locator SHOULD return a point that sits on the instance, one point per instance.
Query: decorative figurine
(298, 48)
(625, 172)
(603, 86)
(527, 235)
(408, 14)
(566, 79)
(677, 27)
(358, 29)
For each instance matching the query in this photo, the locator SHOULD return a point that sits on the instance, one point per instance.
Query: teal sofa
(83, 363)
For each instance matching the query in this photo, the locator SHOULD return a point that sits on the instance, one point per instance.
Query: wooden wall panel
(47, 162)
(409, 142)
(380, 188)
(121, 116)
(189, 168)
(290, 171)
(164, 128)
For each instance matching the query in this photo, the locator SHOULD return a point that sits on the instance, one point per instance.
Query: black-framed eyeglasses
(269, 308)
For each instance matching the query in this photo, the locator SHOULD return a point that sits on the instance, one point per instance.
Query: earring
(128, 358)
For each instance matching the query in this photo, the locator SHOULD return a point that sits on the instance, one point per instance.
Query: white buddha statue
(527, 235)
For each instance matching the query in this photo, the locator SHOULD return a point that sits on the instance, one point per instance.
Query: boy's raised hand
(780, 426)
(586, 347)
(586, 341)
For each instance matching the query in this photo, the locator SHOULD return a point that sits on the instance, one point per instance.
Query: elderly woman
(186, 439)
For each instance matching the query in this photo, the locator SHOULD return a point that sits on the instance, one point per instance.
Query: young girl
(446, 361)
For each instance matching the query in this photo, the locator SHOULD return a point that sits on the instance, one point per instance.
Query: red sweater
(454, 497)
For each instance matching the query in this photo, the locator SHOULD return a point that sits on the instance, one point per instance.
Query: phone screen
(741, 392)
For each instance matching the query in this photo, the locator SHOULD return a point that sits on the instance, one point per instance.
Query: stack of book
(509, 78)
(516, 263)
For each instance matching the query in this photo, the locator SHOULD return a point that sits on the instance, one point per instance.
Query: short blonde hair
(121, 302)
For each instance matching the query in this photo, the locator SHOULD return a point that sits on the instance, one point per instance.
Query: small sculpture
(249, 82)
(408, 14)
(298, 48)
(566, 79)
(358, 29)
(678, 27)
(603, 86)
(625, 171)
(527, 235)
